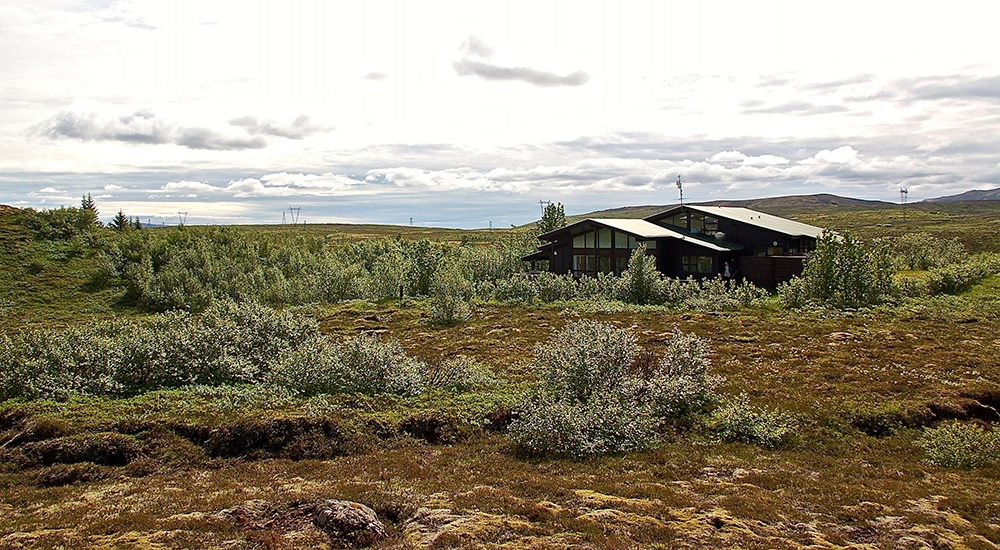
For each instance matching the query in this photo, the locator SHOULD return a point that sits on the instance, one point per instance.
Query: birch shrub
(596, 398)
(841, 273)
(960, 445)
(363, 364)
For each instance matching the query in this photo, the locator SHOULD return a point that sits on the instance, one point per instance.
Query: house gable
(686, 241)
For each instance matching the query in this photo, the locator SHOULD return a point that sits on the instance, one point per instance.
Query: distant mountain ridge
(973, 195)
(773, 205)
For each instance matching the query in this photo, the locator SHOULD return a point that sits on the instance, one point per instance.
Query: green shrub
(584, 358)
(450, 295)
(459, 374)
(840, 273)
(229, 343)
(736, 420)
(682, 385)
(958, 277)
(920, 251)
(607, 424)
(363, 364)
(639, 281)
(599, 395)
(960, 445)
(554, 288)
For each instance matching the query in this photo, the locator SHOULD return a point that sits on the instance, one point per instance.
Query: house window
(604, 238)
(621, 264)
(585, 240)
(583, 264)
(604, 264)
(711, 225)
(678, 220)
(622, 239)
(697, 264)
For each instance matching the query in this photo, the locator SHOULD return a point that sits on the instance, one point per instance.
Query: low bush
(736, 420)
(920, 251)
(600, 395)
(960, 445)
(682, 384)
(459, 374)
(958, 277)
(450, 295)
(229, 343)
(362, 364)
(606, 424)
(841, 273)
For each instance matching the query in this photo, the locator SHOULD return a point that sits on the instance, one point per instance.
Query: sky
(468, 114)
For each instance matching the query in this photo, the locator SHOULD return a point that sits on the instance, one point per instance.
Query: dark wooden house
(687, 241)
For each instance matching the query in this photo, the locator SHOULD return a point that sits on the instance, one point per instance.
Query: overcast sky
(467, 113)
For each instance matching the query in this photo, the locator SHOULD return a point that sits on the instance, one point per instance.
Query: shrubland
(162, 376)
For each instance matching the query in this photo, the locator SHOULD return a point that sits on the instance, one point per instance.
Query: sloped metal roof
(752, 217)
(644, 230)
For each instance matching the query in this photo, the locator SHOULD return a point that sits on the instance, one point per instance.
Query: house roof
(644, 230)
(752, 217)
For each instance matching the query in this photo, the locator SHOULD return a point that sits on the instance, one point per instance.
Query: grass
(861, 385)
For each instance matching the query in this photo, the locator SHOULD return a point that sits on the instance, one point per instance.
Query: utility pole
(182, 217)
(294, 212)
(903, 194)
(680, 190)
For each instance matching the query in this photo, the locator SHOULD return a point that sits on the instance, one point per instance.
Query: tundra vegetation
(201, 386)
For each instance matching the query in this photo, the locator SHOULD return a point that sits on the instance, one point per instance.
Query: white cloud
(840, 155)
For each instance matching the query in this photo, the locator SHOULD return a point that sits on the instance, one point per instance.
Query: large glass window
(621, 240)
(697, 264)
(586, 240)
(604, 238)
(604, 264)
(678, 220)
(583, 264)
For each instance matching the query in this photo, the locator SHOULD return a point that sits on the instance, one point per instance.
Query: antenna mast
(903, 194)
(680, 190)
(182, 217)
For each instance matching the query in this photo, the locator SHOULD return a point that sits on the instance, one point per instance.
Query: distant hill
(974, 195)
(779, 206)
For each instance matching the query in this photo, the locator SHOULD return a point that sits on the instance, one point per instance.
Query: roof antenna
(680, 190)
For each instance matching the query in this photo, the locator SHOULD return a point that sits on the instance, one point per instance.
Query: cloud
(204, 138)
(299, 128)
(476, 61)
(840, 155)
(141, 127)
(375, 76)
(736, 157)
(952, 87)
(792, 108)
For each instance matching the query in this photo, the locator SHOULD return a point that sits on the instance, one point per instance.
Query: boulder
(348, 522)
